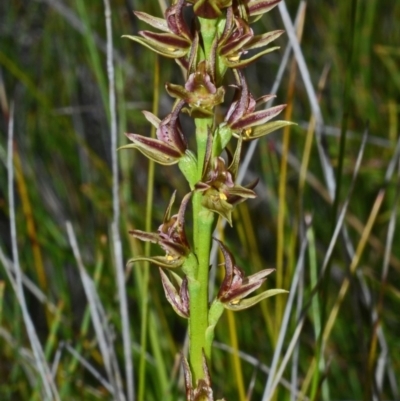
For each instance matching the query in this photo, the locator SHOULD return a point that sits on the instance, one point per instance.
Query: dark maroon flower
(175, 42)
(170, 144)
(220, 193)
(199, 92)
(238, 38)
(236, 286)
(179, 301)
(256, 8)
(170, 236)
(242, 117)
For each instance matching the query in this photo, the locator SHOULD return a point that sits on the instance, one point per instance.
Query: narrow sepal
(236, 199)
(175, 20)
(145, 236)
(257, 118)
(234, 166)
(154, 149)
(193, 55)
(207, 156)
(163, 46)
(242, 304)
(187, 375)
(151, 118)
(169, 130)
(263, 40)
(233, 63)
(167, 213)
(242, 192)
(171, 41)
(164, 261)
(170, 236)
(179, 304)
(220, 193)
(236, 286)
(232, 47)
(155, 22)
(228, 26)
(249, 284)
(259, 7)
(264, 99)
(265, 129)
(241, 100)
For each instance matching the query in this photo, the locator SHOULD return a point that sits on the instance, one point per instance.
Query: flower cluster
(206, 38)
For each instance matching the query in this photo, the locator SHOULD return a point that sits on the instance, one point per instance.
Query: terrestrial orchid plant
(214, 36)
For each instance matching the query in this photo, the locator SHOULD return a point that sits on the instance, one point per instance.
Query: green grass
(53, 68)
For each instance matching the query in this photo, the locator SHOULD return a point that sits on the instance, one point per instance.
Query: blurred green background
(53, 69)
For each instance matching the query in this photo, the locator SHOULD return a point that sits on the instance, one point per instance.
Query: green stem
(198, 285)
(198, 291)
(202, 227)
(208, 28)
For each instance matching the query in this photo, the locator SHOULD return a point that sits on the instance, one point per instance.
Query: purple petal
(151, 118)
(260, 275)
(166, 39)
(176, 21)
(170, 131)
(257, 7)
(241, 292)
(257, 118)
(184, 294)
(155, 22)
(167, 214)
(264, 99)
(154, 149)
(182, 209)
(235, 47)
(228, 265)
(263, 40)
(145, 236)
(228, 26)
(173, 248)
(242, 102)
(187, 374)
(159, 46)
(192, 58)
(172, 296)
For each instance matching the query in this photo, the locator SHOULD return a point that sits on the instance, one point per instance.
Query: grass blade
(50, 390)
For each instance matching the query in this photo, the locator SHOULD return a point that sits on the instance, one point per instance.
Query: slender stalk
(202, 225)
(198, 288)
